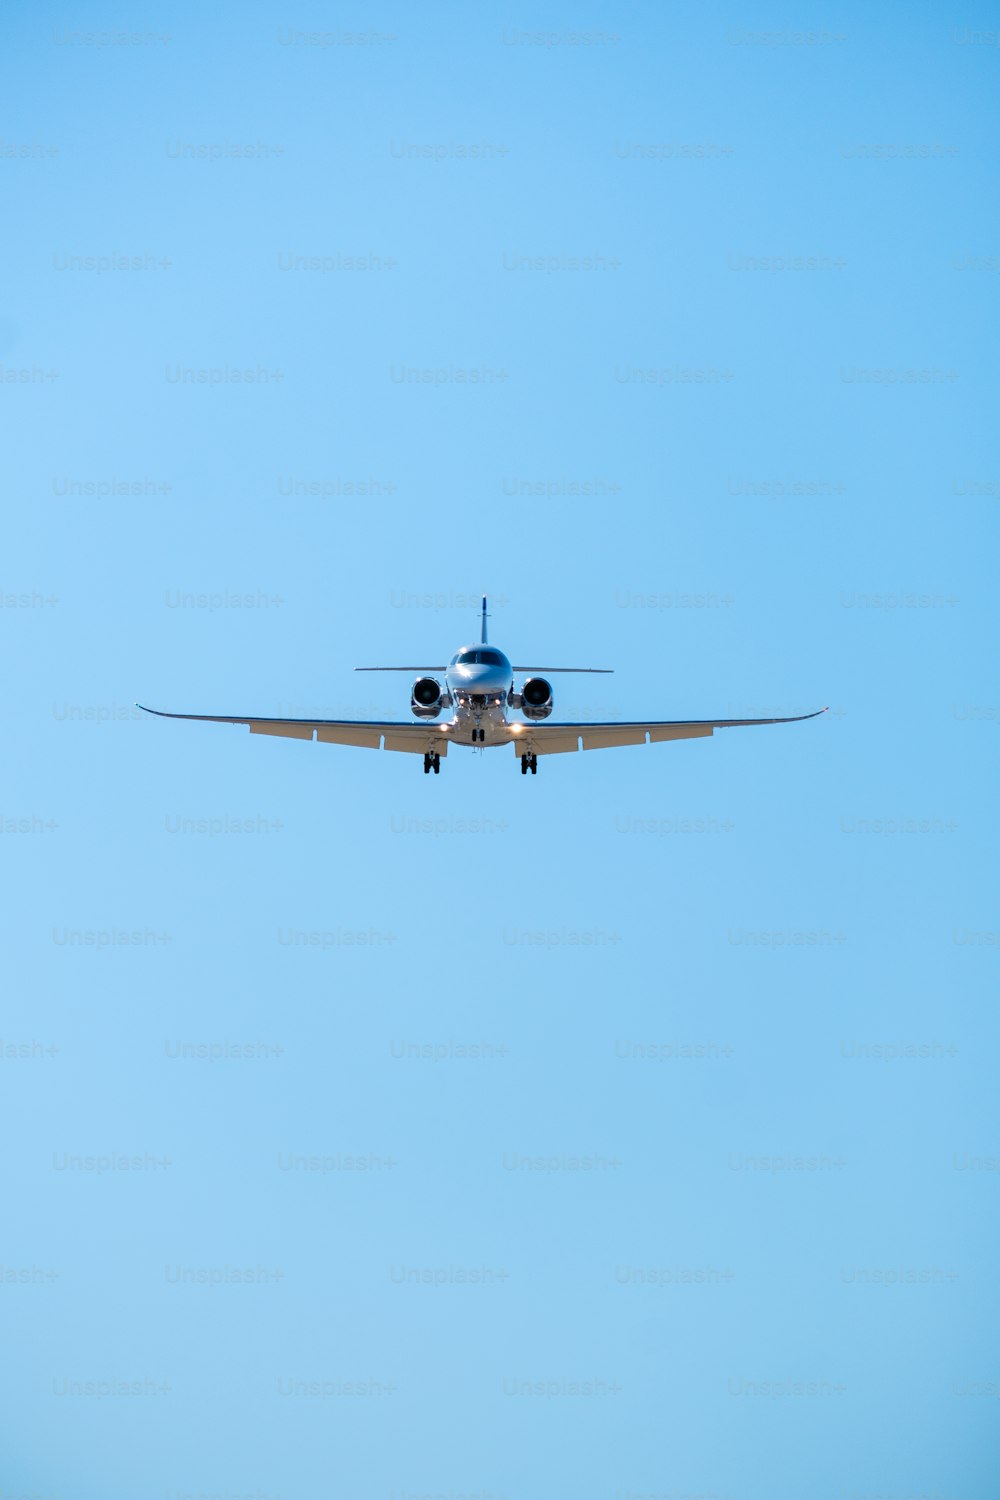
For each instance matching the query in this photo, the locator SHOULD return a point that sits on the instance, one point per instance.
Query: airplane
(479, 690)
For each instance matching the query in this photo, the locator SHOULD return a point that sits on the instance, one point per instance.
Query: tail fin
(485, 618)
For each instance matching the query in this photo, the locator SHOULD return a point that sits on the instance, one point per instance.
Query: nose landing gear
(432, 762)
(529, 763)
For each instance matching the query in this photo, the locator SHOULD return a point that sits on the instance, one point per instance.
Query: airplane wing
(418, 739)
(555, 739)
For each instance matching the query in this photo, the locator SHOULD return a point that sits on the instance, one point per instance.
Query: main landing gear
(432, 762)
(480, 735)
(529, 763)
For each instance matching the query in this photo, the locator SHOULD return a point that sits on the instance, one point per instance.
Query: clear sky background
(625, 1130)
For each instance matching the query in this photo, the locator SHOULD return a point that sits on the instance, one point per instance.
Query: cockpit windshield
(485, 656)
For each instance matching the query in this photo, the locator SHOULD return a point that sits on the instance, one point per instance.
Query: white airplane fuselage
(480, 692)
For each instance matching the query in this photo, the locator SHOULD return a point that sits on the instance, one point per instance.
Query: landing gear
(529, 763)
(480, 735)
(432, 762)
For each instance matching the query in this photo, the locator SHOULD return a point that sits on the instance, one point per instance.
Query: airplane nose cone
(477, 679)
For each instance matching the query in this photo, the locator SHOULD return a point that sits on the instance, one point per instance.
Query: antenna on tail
(485, 618)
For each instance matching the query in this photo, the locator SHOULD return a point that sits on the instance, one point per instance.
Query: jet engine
(427, 698)
(536, 698)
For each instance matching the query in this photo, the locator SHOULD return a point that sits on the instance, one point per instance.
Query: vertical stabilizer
(485, 617)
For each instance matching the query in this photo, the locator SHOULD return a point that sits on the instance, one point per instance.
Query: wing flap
(658, 732)
(416, 739)
(285, 730)
(552, 743)
(600, 737)
(348, 734)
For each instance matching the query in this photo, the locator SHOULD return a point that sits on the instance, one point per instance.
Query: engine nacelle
(426, 698)
(536, 698)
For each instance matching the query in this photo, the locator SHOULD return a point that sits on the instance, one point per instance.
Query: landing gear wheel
(524, 765)
(437, 765)
(534, 765)
(427, 764)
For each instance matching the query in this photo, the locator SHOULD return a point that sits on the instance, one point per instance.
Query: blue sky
(626, 1130)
